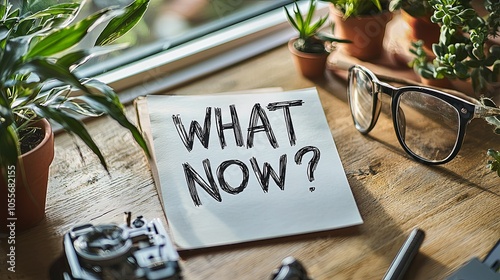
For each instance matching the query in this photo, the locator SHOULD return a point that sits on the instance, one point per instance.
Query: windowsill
(202, 56)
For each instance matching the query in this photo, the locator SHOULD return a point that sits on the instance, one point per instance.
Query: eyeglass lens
(361, 99)
(427, 125)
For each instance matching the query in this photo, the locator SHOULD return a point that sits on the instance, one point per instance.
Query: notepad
(243, 167)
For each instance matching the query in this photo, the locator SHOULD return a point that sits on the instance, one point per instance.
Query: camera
(137, 250)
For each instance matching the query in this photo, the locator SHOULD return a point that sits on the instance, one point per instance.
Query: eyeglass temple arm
(482, 111)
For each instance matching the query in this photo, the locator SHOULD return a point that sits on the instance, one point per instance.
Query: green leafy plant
(38, 49)
(351, 8)
(494, 164)
(493, 120)
(310, 39)
(421, 64)
(462, 52)
(415, 8)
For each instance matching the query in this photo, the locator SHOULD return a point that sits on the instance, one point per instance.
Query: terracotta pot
(366, 33)
(31, 178)
(437, 83)
(421, 28)
(310, 65)
(464, 87)
(492, 89)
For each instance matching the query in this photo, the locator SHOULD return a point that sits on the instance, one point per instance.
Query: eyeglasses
(430, 124)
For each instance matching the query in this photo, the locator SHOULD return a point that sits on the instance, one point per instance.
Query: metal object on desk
(108, 251)
(290, 269)
(405, 255)
(489, 269)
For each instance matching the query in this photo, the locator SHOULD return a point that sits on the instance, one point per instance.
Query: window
(221, 33)
(175, 33)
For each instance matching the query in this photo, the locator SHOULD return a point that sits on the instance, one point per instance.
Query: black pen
(405, 255)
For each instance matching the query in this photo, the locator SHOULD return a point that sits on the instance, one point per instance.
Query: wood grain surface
(456, 204)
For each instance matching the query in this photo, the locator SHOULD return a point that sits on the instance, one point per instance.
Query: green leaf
(74, 59)
(122, 23)
(4, 32)
(291, 19)
(329, 38)
(310, 12)
(10, 58)
(437, 49)
(494, 154)
(14, 14)
(109, 104)
(56, 10)
(33, 6)
(8, 136)
(3, 10)
(48, 70)
(461, 71)
(300, 21)
(63, 39)
(77, 106)
(71, 125)
(30, 92)
(377, 4)
(488, 102)
(317, 25)
(6, 115)
(10, 145)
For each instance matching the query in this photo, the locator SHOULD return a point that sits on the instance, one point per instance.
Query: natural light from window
(170, 23)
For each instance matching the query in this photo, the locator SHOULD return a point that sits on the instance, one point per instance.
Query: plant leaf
(63, 39)
(10, 58)
(122, 23)
(49, 70)
(4, 32)
(72, 126)
(291, 20)
(8, 136)
(310, 13)
(110, 104)
(56, 10)
(74, 59)
(10, 145)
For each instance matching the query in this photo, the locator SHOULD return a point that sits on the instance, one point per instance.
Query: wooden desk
(456, 204)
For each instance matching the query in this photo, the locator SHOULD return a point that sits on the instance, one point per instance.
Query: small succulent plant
(352, 8)
(310, 39)
(461, 51)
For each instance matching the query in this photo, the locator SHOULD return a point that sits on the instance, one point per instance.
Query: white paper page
(235, 209)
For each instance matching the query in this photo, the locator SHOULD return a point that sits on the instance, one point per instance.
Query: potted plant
(38, 83)
(463, 51)
(416, 14)
(364, 22)
(494, 163)
(308, 49)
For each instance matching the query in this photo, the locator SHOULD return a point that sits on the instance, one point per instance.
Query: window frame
(204, 55)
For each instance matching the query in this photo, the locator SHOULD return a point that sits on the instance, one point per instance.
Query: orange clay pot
(29, 185)
(366, 33)
(444, 83)
(421, 28)
(310, 65)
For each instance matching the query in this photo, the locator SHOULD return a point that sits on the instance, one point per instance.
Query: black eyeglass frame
(466, 110)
